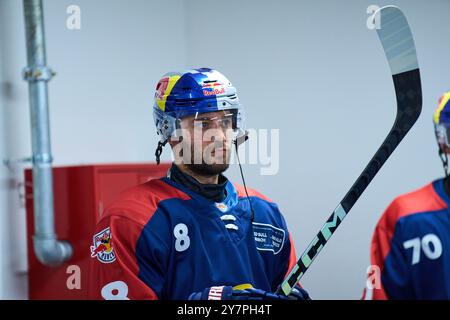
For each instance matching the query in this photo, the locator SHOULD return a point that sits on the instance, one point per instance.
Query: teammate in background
(411, 242)
(193, 234)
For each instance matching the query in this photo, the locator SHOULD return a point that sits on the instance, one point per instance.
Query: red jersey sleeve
(114, 270)
(378, 251)
(381, 246)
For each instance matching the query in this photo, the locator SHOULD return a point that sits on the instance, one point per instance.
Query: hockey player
(410, 252)
(193, 234)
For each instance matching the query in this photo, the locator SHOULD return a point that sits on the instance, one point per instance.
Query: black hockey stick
(398, 44)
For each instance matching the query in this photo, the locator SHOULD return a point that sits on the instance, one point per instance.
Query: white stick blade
(397, 40)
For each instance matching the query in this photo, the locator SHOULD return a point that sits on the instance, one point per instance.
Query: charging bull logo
(102, 248)
(161, 88)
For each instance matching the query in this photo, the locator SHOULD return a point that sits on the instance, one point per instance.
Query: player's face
(206, 142)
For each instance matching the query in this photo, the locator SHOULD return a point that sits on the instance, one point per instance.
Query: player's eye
(205, 124)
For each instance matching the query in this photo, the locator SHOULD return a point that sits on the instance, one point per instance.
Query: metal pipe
(48, 249)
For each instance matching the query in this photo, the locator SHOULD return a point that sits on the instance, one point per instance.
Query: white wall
(309, 68)
(14, 143)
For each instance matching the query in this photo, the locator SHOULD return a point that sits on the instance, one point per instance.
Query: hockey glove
(229, 293)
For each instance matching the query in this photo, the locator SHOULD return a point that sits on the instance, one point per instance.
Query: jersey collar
(230, 201)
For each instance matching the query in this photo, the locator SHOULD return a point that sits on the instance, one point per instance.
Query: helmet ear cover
(442, 132)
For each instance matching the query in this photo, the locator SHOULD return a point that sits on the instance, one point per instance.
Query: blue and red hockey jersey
(160, 240)
(411, 247)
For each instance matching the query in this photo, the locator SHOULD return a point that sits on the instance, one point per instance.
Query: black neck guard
(214, 192)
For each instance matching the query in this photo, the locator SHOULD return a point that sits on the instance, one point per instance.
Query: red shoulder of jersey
(418, 201)
(140, 202)
(251, 192)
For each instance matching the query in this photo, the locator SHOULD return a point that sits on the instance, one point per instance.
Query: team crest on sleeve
(102, 247)
(268, 237)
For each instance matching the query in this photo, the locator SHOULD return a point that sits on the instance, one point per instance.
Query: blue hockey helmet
(441, 120)
(193, 92)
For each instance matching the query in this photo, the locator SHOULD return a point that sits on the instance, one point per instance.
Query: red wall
(80, 195)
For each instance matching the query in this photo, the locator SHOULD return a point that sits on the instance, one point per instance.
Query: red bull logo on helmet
(210, 91)
(102, 248)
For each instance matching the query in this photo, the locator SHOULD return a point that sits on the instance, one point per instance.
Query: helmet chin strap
(237, 142)
(444, 158)
(159, 150)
